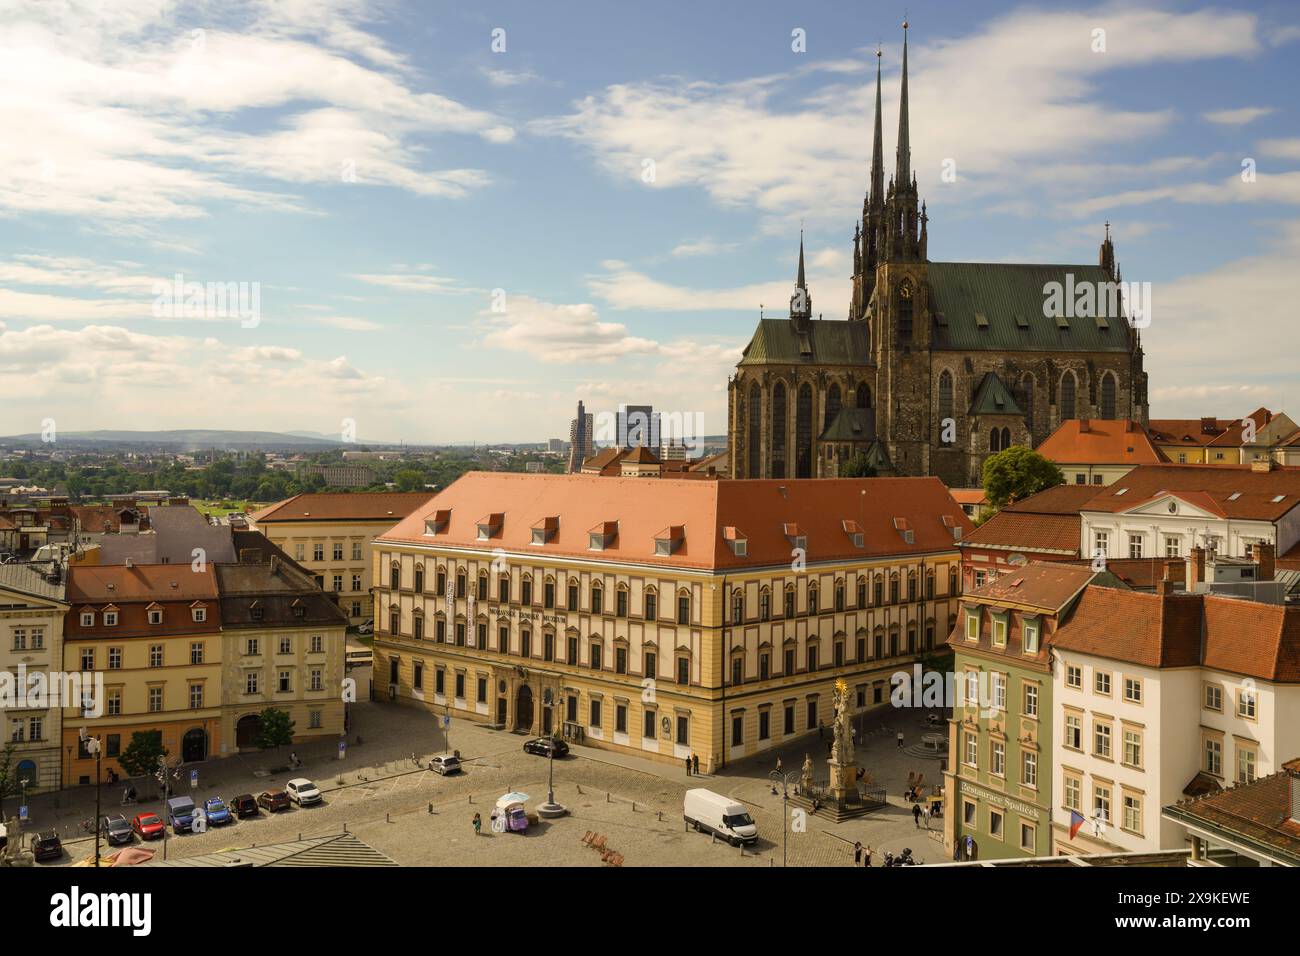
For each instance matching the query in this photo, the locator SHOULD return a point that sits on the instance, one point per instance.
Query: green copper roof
(828, 342)
(993, 398)
(994, 305)
(878, 458)
(851, 424)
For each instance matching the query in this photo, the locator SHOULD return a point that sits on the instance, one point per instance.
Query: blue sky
(387, 178)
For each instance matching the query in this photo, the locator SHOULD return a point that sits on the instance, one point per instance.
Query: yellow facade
(717, 686)
(31, 638)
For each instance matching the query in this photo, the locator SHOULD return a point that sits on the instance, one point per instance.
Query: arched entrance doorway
(194, 745)
(246, 731)
(524, 708)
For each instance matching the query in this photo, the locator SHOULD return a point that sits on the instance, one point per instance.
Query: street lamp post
(92, 746)
(162, 777)
(784, 779)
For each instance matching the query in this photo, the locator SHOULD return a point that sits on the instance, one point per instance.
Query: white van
(710, 812)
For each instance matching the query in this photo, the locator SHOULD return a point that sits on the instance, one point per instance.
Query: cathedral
(939, 364)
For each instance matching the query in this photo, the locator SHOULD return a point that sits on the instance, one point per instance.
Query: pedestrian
(926, 813)
(478, 824)
(900, 740)
(867, 856)
(916, 815)
(778, 764)
(857, 853)
(688, 766)
(695, 759)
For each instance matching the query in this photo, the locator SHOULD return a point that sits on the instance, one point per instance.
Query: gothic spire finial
(902, 174)
(878, 149)
(799, 281)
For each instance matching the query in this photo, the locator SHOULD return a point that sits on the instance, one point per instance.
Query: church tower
(868, 238)
(801, 301)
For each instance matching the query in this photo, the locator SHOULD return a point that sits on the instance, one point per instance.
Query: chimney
(1166, 585)
(1196, 568)
(1262, 465)
(130, 563)
(1084, 426)
(1265, 561)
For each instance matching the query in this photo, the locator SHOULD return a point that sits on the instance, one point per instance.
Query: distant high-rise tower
(580, 430)
(638, 425)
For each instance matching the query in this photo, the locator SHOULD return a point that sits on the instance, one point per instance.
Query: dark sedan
(116, 829)
(47, 846)
(244, 805)
(547, 747)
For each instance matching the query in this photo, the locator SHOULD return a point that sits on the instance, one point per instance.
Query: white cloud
(560, 333)
(1281, 148)
(411, 282)
(1237, 117)
(701, 247)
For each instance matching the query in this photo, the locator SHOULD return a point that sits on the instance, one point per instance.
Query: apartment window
(1132, 690)
(995, 824)
(969, 812)
(1246, 704)
(460, 686)
(417, 677)
(115, 658)
(337, 551)
(683, 729)
(286, 644)
(356, 582)
(573, 596)
(1101, 740)
(1101, 683)
(999, 633)
(1135, 545)
(683, 609)
(315, 679)
(156, 698)
(1133, 748)
(1214, 697)
(356, 551)
(314, 719)
(620, 718)
(1101, 543)
(1173, 546)
(1072, 795)
(1028, 837)
(1245, 765)
(1031, 700)
(972, 627)
(113, 704)
(1030, 637)
(337, 582)
(620, 607)
(196, 652)
(595, 713)
(1073, 732)
(286, 680)
(1132, 813)
(1101, 803)
(999, 691)
(1074, 677)
(87, 658)
(597, 598)
(972, 750)
(651, 606)
(998, 761)
(20, 638)
(1029, 768)
(595, 657)
(253, 647)
(299, 552)
(318, 552)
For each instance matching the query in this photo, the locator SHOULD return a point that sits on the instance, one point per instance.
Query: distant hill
(185, 439)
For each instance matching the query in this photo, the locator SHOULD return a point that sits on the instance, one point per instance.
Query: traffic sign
(22, 814)
(343, 749)
(194, 779)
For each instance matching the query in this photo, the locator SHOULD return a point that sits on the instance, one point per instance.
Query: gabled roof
(702, 508)
(1010, 530)
(993, 398)
(1100, 442)
(1257, 813)
(830, 342)
(1010, 297)
(345, 506)
(1046, 585)
(1134, 626)
(851, 424)
(1237, 490)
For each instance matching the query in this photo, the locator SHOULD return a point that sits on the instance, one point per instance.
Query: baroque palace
(669, 618)
(939, 363)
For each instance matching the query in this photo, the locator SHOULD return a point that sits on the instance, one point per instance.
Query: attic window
(1120, 492)
(255, 613)
(602, 536)
(155, 616)
(1234, 496)
(796, 537)
(489, 526)
(737, 541)
(1062, 322)
(981, 320)
(905, 529)
(669, 540)
(1102, 324)
(437, 522)
(1022, 322)
(546, 529)
(854, 531)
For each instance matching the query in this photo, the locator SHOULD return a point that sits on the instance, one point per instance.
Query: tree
(857, 467)
(1017, 473)
(140, 758)
(276, 729)
(409, 479)
(9, 785)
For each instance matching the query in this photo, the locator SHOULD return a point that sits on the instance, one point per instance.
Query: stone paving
(379, 794)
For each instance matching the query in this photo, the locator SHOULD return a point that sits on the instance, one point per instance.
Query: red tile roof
(1058, 534)
(1255, 491)
(759, 509)
(1100, 442)
(1258, 813)
(345, 506)
(1041, 584)
(1187, 432)
(1058, 500)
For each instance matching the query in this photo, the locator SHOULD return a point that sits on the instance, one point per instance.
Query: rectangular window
(764, 724)
(1133, 748)
(998, 761)
(1132, 690)
(595, 713)
(115, 658)
(337, 551)
(1073, 732)
(683, 670)
(114, 703)
(1029, 768)
(620, 718)
(1101, 683)
(1214, 697)
(999, 633)
(999, 691)
(1246, 704)
(972, 627)
(250, 682)
(417, 676)
(1213, 757)
(1031, 700)
(972, 750)
(1245, 765)
(196, 653)
(621, 603)
(196, 697)
(1101, 803)
(156, 655)
(1173, 546)
(1028, 837)
(1135, 545)
(318, 552)
(356, 551)
(1132, 813)
(1101, 740)
(460, 686)
(995, 824)
(1074, 677)
(650, 665)
(812, 713)
(480, 690)
(1072, 795)
(1030, 639)
(155, 699)
(683, 609)
(648, 724)
(314, 719)
(683, 729)
(87, 658)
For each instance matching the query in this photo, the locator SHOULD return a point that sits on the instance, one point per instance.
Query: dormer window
(951, 524)
(1120, 492)
(256, 612)
(87, 618)
(110, 618)
(437, 522)
(602, 536)
(155, 615)
(669, 540)
(737, 540)
(796, 537)
(489, 526)
(855, 533)
(1234, 496)
(546, 529)
(905, 530)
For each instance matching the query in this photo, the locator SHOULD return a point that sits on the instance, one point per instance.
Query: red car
(148, 825)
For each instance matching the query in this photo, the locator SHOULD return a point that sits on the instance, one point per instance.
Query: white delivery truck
(710, 812)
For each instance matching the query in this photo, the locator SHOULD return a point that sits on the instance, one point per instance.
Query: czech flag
(1076, 820)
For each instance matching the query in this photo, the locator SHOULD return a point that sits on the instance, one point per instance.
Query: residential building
(667, 618)
(1097, 452)
(154, 633)
(32, 606)
(1253, 824)
(342, 476)
(973, 501)
(330, 534)
(1224, 441)
(283, 646)
(1163, 696)
(1042, 527)
(998, 794)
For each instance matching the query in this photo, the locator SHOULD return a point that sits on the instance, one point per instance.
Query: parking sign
(194, 779)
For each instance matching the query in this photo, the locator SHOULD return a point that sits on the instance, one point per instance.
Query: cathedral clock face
(905, 291)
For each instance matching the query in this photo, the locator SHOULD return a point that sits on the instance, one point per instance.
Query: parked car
(303, 792)
(116, 829)
(368, 627)
(445, 765)
(148, 826)
(46, 846)
(217, 811)
(547, 747)
(180, 814)
(244, 805)
(710, 812)
(273, 800)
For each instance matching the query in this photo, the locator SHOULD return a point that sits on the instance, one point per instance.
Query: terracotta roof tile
(346, 506)
(1058, 534)
(1100, 442)
(1254, 491)
(1260, 812)
(1042, 584)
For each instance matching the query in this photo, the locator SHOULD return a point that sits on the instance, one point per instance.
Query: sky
(449, 222)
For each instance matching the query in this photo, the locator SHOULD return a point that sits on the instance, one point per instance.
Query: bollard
(387, 818)
(345, 827)
(431, 808)
(634, 806)
(608, 797)
(661, 816)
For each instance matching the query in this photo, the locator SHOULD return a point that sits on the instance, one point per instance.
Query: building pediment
(1196, 505)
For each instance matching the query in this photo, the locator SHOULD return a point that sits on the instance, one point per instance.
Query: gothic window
(803, 432)
(905, 312)
(995, 440)
(864, 396)
(755, 427)
(778, 430)
(1068, 385)
(1108, 396)
(832, 405)
(945, 406)
(1006, 438)
(1027, 403)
